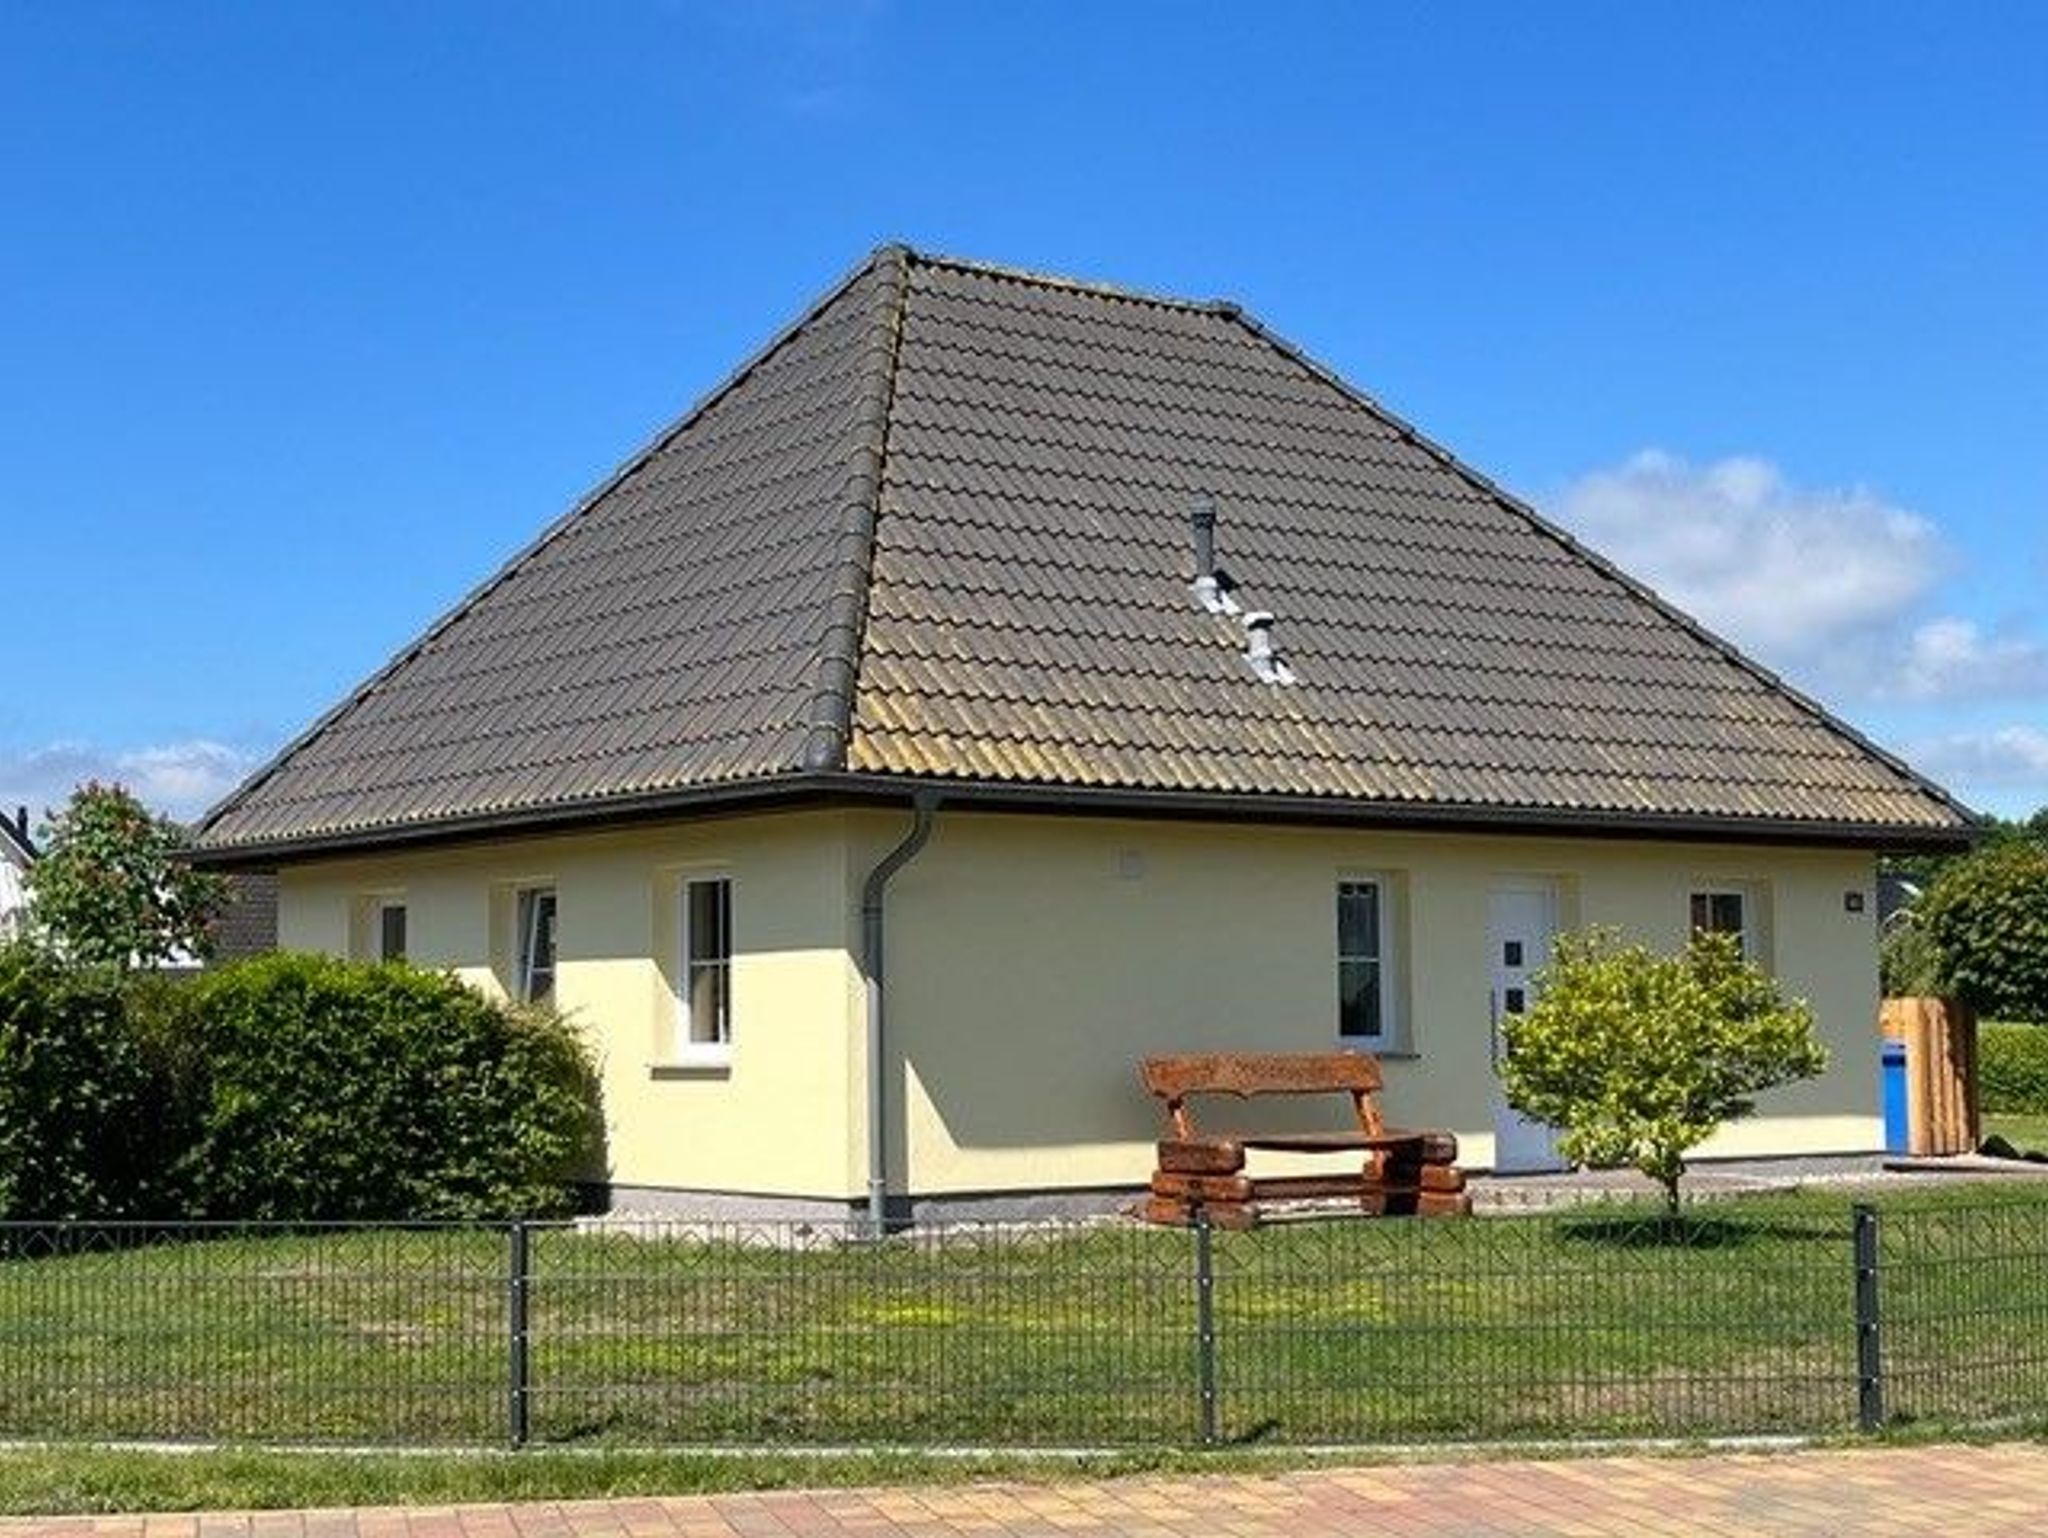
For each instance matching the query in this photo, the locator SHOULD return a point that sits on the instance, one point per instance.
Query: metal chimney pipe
(1202, 520)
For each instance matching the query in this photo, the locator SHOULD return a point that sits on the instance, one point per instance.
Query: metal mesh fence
(1606, 1321)
(773, 1334)
(1963, 1325)
(255, 1332)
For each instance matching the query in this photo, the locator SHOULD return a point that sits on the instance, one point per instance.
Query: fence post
(1869, 1338)
(519, 1271)
(1205, 1324)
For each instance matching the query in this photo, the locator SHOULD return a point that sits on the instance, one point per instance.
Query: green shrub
(317, 1088)
(1987, 918)
(1638, 1057)
(2012, 1068)
(80, 1121)
(1908, 965)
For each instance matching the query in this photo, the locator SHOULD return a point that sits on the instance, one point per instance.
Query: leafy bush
(79, 1122)
(1638, 1057)
(2012, 1068)
(1908, 965)
(1987, 918)
(316, 1088)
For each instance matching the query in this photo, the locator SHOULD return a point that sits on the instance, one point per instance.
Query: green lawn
(2023, 1131)
(1576, 1324)
(77, 1480)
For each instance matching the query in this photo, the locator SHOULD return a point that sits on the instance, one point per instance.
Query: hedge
(294, 1088)
(1987, 921)
(316, 1088)
(81, 1111)
(2012, 1069)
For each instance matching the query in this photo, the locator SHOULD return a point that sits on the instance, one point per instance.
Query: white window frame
(525, 935)
(689, 1049)
(379, 907)
(1392, 1036)
(1744, 893)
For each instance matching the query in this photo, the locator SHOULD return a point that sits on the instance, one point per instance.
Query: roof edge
(830, 719)
(18, 840)
(1091, 287)
(782, 790)
(1727, 650)
(652, 446)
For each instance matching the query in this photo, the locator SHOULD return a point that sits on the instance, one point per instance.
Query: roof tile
(1022, 608)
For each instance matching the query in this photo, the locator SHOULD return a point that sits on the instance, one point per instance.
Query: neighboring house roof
(17, 847)
(937, 533)
(247, 926)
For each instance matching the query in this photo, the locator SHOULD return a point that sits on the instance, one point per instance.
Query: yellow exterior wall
(1034, 960)
(775, 1119)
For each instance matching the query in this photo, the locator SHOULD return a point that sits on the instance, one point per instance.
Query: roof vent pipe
(1208, 586)
(1202, 519)
(1258, 639)
(1258, 649)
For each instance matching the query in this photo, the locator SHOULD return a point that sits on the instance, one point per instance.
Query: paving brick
(1953, 1491)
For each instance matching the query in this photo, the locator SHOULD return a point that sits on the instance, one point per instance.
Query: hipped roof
(936, 534)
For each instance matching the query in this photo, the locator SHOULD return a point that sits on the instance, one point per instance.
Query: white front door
(1520, 918)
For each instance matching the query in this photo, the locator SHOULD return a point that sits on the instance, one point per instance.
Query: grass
(1598, 1322)
(2023, 1131)
(93, 1480)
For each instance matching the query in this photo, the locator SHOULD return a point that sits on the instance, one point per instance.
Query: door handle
(1493, 1027)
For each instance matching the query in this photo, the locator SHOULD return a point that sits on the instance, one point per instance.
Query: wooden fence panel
(1941, 1072)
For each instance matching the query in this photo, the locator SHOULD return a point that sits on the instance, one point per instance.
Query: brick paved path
(1952, 1491)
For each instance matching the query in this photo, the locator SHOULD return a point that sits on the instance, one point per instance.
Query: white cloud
(181, 779)
(1786, 570)
(1948, 659)
(2006, 755)
(1827, 584)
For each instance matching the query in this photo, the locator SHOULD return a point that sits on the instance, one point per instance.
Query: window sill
(1383, 1053)
(709, 1065)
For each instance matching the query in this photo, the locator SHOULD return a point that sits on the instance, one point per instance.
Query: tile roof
(938, 531)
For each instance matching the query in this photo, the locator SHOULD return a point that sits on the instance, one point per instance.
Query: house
(1000, 678)
(247, 924)
(17, 854)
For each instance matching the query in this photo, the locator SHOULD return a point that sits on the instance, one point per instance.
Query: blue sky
(311, 313)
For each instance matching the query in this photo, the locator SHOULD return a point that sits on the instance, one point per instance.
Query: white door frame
(1521, 1145)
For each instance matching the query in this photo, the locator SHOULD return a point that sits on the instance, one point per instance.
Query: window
(1362, 961)
(536, 945)
(390, 931)
(704, 1009)
(1723, 911)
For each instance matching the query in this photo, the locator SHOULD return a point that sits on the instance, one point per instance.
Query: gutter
(815, 788)
(873, 914)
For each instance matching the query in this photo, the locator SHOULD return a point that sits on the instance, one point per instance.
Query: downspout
(924, 806)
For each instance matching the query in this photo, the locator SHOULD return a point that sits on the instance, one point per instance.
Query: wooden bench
(1400, 1172)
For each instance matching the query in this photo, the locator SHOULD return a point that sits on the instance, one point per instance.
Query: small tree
(1638, 1057)
(1987, 922)
(110, 889)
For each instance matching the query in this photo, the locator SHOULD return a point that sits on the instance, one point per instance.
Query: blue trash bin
(1892, 1076)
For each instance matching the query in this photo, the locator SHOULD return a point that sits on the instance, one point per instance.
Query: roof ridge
(462, 606)
(829, 723)
(1719, 644)
(1094, 288)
